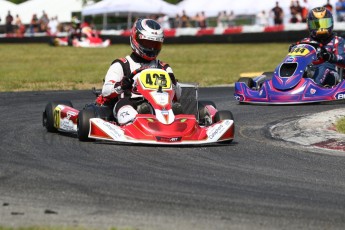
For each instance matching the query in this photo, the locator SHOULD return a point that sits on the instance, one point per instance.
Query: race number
(299, 51)
(153, 78)
(56, 115)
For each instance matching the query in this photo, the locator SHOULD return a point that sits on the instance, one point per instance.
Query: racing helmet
(147, 38)
(320, 23)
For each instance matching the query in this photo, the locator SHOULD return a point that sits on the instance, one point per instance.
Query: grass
(31, 67)
(340, 125)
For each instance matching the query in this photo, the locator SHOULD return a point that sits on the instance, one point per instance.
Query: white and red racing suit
(123, 67)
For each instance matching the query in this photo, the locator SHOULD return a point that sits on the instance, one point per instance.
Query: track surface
(254, 183)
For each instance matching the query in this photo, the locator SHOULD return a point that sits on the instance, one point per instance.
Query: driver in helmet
(146, 42)
(74, 31)
(320, 26)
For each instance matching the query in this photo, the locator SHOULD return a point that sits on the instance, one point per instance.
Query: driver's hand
(291, 46)
(328, 56)
(127, 83)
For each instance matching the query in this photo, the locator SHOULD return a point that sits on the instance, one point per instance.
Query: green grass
(42, 67)
(340, 125)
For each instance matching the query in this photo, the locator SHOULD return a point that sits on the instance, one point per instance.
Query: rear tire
(48, 114)
(84, 117)
(248, 81)
(224, 115)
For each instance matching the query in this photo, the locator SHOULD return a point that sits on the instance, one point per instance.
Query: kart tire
(224, 115)
(248, 81)
(83, 126)
(48, 114)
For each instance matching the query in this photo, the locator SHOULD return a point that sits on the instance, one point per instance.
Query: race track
(254, 183)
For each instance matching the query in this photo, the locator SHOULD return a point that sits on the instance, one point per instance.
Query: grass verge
(31, 67)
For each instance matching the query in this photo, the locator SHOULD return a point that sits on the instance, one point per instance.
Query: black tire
(83, 126)
(48, 114)
(224, 115)
(248, 81)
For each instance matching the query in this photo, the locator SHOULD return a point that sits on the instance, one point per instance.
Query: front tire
(48, 115)
(84, 117)
(224, 115)
(248, 81)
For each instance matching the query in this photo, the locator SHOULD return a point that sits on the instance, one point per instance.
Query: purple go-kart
(291, 82)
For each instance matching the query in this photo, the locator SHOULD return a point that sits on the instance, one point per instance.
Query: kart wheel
(224, 115)
(83, 126)
(48, 114)
(248, 81)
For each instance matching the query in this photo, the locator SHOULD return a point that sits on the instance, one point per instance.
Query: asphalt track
(255, 183)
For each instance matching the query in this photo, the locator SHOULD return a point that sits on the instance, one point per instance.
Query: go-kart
(88, 39)
(199, 123)
(291, 82)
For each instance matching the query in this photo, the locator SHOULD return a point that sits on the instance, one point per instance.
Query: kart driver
(146, 41)
(320, 26)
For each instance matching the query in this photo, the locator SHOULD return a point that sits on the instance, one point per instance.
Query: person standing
(9, 21)
(328, 6)
(278, 14)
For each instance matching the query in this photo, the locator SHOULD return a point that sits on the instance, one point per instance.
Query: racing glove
(127, 83)
(291, 46)
(328, 56)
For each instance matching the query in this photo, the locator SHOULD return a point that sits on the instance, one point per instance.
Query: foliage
(340, 125)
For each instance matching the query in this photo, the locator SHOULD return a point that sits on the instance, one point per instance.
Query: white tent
(6, 6)
(129, 9)
(135, 7)
(212, 8)
(61, 8)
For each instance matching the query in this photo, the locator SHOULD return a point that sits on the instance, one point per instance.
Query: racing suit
(325, 70)
(113, 85)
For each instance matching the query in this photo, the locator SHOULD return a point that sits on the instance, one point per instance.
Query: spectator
(53, 26)
(328, 6)
(9, 21)
(202, 20)
(305, 10)
(185, 20)
(340, 10)
(177, 21)
(33, 24)
(231, 19)
(222, 20)
(262, 18)
(294, 11)
(43, 22)
(278, 14)
(163, 20)
(20, 28)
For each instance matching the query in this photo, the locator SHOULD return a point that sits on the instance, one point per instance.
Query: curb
(315, 130)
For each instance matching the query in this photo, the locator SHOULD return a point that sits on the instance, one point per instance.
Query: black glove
(127, 83)
(328, 56)
(291, 46)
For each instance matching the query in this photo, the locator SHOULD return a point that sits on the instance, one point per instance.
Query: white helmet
(147, 38)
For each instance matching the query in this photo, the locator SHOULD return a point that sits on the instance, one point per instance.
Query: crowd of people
(43, 24)
(298, 11)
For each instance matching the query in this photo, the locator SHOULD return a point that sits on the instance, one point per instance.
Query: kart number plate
(298, 51)
(153, 78)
